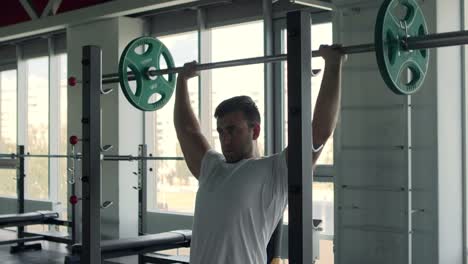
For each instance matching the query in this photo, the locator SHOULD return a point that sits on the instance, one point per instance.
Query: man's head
(238, 125)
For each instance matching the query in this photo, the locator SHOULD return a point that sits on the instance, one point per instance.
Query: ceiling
(13, 12)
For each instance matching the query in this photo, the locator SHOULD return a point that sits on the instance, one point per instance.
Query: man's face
(236, 136)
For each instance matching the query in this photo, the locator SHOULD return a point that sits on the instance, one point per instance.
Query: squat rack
(299, 116)
(300, 210)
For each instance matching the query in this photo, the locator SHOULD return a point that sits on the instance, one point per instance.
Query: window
(242, 80)
(323, 193)
(8, 118)
(37, 170)
(174, 187)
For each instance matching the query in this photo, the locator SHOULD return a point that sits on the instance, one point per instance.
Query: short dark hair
(244, 104)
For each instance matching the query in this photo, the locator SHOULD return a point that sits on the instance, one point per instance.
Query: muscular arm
(328, 101)
(194, 145)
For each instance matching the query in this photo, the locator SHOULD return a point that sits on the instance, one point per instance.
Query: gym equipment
(136, 245)
(140, 64)
(35, 218)
(4, 156)
(400, 44)
(22, 219)
(6, 159)
(396, 60)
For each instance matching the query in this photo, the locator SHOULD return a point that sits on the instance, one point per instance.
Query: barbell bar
(400, 45)
(104, 157)
(436, 40)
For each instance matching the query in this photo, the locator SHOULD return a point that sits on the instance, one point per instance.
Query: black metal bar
(104, 157)
(91, 162)
(114, 77)
(437, 40)
(25, 247)
(21, 241)
(59, 222)
(413, 43)
(132, 158)
(75, 213)
(20, 192)
(142, 194)
(47, 237)
(299, 137)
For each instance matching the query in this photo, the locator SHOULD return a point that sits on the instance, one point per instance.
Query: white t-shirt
(237, 208)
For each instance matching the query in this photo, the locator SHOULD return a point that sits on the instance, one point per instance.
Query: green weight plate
(139, 64)
(393, 59)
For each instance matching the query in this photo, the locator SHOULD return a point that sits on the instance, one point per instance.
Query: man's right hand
(276, 261)
(188, 71)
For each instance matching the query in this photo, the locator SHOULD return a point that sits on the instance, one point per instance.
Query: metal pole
(300, 141)
(142, 195)
(78, 156)
(132, 158)
(20, 191)
(412, 43)
(91, 163)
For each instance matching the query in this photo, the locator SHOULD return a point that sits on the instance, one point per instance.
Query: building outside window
(8, 129)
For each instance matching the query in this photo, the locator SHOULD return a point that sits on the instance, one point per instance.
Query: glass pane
(8, 98)
(326, 252)
(172, 175)
(243, 80)
(321, 34)
(175, 185)
(323, 199)
(37, 173)
(63, 144)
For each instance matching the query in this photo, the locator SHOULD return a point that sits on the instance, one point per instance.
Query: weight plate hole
(409, 77)
(401, 12)
(422, 32)
(154, 98)
(141, 49)
(132, 84)
(406, 76)
(392, 49)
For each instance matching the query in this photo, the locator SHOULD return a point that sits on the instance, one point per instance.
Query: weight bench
(20, 220)
(137, 245)
(35, 218)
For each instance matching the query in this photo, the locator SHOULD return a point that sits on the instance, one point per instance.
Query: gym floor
(51, 253)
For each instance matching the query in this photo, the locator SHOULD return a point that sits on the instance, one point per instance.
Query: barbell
(400, 45)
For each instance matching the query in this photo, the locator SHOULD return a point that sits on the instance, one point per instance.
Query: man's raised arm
(194, 145)
(328, 101)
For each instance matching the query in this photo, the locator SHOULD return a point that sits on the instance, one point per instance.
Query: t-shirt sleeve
(276, 184)
(210, 162)
(281, 173)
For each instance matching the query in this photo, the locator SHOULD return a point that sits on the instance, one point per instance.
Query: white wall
(121, 123)
(373, 119)
(449, 126)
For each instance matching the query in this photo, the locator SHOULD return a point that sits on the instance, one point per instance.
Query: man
(242, 196)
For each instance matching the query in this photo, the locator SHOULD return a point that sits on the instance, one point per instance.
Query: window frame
(21, 67)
